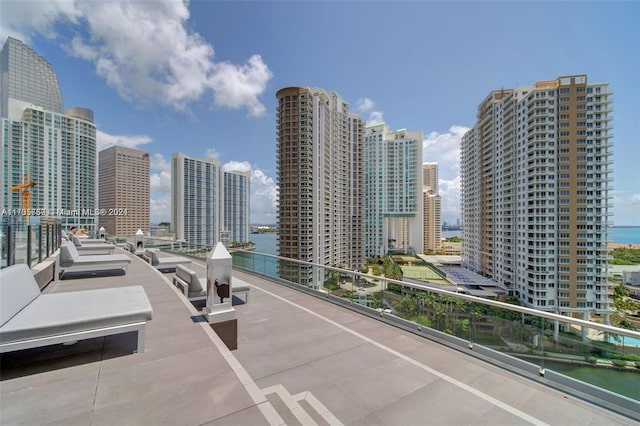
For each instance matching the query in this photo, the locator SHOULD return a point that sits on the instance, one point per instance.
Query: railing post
(10, 246)
(48, 252)
(39, 243)
(29, 245)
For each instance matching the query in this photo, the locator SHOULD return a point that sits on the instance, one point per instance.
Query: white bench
(30, 319)
(71, 261)
(195, 288)
(166, 262)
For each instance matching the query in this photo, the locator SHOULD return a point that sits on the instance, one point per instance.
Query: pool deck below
(300, 361)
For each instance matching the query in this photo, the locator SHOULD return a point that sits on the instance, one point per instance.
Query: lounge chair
(30, 319)
(195, 288)
(136, 248)
(80, 241)
(166, 262)
(71, 261)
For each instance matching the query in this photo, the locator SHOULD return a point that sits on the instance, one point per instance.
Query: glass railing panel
(23, 239)
(603, 356)
(35, 244)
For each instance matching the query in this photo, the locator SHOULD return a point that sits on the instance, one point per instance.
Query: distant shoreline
(624, 245)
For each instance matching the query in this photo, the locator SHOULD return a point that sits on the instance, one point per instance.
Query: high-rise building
(393, 191)
(54, 150)
(320, 150)
(536, 191)
(430, 176)
(124, 190)
(27, 77)
(432, 209)
(236, 205)
(196, 199)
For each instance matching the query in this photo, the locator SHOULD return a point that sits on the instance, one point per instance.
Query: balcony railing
(28, 239)
(590, 358)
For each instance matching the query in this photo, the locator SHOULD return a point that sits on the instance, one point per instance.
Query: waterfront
(619, 381)
(267, 242)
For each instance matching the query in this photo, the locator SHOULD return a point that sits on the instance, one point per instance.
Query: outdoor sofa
(195, 288)
(166, 262)
(71, 261)
(30, 319)
(81, 241)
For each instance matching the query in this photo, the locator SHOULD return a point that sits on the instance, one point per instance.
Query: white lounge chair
(81, 242)
(194, 288)
(30, 319)
(71, 261)
(164, 262)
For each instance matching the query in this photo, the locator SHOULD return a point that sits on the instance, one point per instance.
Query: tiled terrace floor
(300, 360)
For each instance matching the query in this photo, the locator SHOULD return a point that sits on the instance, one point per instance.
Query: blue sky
(200, 77)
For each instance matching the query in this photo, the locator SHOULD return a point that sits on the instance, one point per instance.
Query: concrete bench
(71, 261)
(30, 319)
(164, 262)
(136, 249)
(195, 288)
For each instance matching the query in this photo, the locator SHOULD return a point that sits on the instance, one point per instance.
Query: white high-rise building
(208, 204)
(536, 191)
(55, 150)
(393, 191)
(236, 205)
(196, 201)
(320, 147)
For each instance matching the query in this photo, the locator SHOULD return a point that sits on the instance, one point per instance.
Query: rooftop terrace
(300, 360)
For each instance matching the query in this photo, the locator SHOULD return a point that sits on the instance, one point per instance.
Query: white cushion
(18, 288)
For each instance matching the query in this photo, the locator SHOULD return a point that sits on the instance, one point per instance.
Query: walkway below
(300, 361)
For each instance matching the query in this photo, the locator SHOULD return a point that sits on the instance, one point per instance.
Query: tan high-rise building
(536, 191)
(430, 176)
(124, 191)
(432, 208)
(320, 181)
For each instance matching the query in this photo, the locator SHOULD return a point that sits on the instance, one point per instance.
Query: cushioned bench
(84, 241)
(136, 249)
(30, 319)
(164, 262)
(71, 261)
(89, 250)
(195, 288)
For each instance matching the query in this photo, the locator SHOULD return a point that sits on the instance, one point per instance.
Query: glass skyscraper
(54, 149)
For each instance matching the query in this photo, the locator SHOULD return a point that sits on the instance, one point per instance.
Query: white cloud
(212, 153)
(444, 148)
(160, 208)
(263, 198)
(241, 86)
(450, 193)
(105, 140)
(366, 105)
(160, 178)
(145, 51)
(158, 162)
(22, 19)
(626, 207)
(237, 166)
